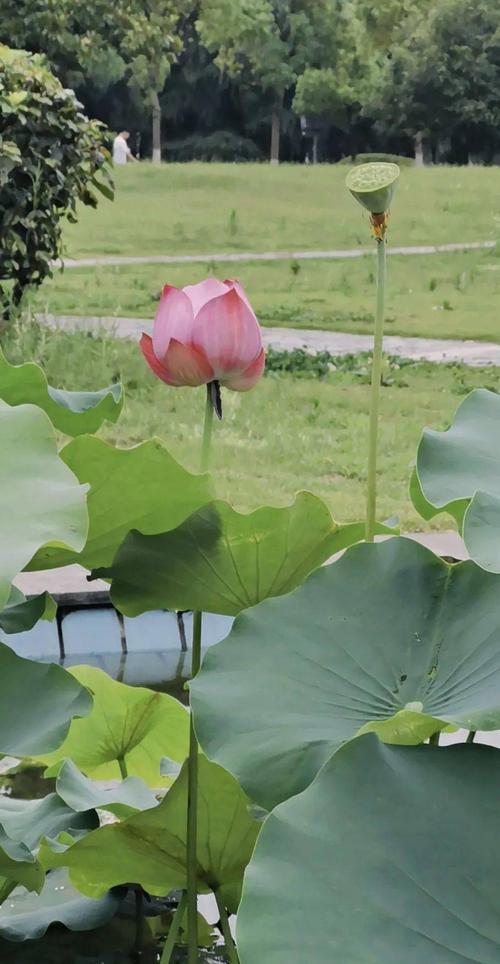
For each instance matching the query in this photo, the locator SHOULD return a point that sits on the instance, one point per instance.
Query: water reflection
(26, 783)
(145, 651)
(116, 943)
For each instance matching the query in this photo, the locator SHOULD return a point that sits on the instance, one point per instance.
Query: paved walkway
(339, 253)
(474, 353)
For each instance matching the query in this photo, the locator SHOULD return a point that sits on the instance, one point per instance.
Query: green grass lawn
(286, 435)
(188, 209)
(443, 296)
(197, 208)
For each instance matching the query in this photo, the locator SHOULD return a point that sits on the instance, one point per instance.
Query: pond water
(150, 650)
(153, 651)
(111, 945)
(117, 942)
(124, 940)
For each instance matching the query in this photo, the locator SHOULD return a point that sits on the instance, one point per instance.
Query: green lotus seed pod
(373, 185)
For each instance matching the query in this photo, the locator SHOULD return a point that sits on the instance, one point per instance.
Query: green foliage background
(372, 76)
(51, 157)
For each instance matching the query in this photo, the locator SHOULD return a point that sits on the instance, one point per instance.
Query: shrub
(390, 158)
(302, 363)
(219, 146)
(51, 157)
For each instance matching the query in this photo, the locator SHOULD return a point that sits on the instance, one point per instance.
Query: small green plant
(233, 226)
(295, 267)
(178, 231)
(345, 284)
(433, 284)
(312, 416)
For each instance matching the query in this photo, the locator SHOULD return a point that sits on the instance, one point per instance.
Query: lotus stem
(123, 767)
(192, 812)
(373, 186)
(139, 920)
(192, 804)
(371, 494)
(212, 390)
(231, 951)
(173, 933)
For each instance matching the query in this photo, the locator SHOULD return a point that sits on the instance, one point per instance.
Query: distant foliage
(51, 157)
(219, 146)
(443, 79)
(368, 158)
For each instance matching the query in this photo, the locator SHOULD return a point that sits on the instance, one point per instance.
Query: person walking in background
(121, 150)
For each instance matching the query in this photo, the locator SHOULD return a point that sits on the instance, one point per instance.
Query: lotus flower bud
(206, 333)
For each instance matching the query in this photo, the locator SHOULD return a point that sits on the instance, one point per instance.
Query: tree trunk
(275, 133)
(419, 149)
(156, 111)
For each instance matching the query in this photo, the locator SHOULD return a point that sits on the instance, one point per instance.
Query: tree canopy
(231, 78)
(138, 40)
(443, 77)
(270, 41)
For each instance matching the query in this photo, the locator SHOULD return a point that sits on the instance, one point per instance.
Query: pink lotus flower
(204, 333)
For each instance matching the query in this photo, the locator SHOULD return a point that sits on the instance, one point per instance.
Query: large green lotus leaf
(392, 855)
(26, 916)
(141, 487)
(81, 794)
(128, 723)
(37, 703)
(21, 614)
(458, 471)
(429, 511)
(388, 638)
(150, 847)
(18, 865)
(453, 465)
(42, 502)
(481, 531)
(27, 821)
(70, 412)
(224, 561)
